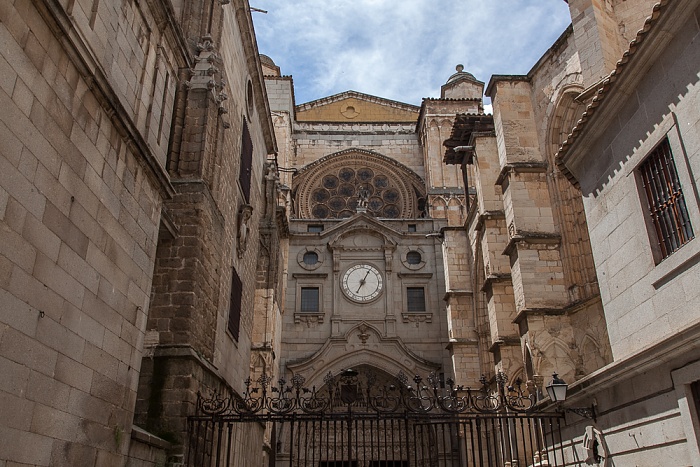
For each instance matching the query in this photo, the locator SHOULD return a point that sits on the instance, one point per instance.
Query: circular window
(413, 257)
(311, 258)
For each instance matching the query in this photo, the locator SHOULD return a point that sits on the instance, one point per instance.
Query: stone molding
(308, 318)
(362, 344)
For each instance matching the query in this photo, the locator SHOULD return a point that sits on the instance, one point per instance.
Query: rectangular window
(234, 312)
(665, 201)
(310, 299)
(412, 227)
(314, 228)
(415, 298)
(246, 161)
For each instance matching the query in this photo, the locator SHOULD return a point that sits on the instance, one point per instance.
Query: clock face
(362, 283)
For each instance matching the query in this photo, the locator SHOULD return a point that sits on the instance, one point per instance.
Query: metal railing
(354, 420)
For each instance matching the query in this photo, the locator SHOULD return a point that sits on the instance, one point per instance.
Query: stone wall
(83, 135)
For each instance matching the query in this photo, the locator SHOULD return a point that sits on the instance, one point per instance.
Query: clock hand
(362, 282)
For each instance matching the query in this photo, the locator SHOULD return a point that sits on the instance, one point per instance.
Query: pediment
(362, 231)
(362, 345)
(352, 106)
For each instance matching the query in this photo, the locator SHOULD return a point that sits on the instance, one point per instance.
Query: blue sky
(402, 49)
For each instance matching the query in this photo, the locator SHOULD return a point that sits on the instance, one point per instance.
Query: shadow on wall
(672, 79)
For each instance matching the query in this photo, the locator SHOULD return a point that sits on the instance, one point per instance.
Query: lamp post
(556, 390)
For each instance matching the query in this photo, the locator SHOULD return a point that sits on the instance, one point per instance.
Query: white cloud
(403, 49)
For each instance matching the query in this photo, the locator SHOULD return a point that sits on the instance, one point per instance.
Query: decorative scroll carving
(419, 396)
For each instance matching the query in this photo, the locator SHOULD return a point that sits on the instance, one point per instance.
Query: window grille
(246, 161)
(415, 298)
(310, 258)
(234, 313)
(669, 214)
(413, 257)
(309, 299)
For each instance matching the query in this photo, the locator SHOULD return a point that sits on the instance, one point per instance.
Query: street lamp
(556, 390)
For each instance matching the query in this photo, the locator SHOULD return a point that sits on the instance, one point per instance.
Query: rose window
(338, 195)
(331, 187)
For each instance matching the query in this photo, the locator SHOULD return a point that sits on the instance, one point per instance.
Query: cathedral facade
(173, 225)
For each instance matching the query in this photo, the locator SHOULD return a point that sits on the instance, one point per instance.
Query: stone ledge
(415, 275)
(520, 167)
(491, 278)
(456, 293)
(506, 341)
(489, 215)
(540, 238)
(143, 436)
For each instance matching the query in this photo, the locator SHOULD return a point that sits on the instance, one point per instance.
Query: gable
(354, 107)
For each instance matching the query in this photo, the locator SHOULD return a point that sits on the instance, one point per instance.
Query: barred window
(234, 313)
(666, 204)
(246, 161)
(310, 299)
(310, 258)
(413, 257)
(415, 298)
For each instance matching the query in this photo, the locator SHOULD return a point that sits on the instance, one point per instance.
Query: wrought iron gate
(354, 421)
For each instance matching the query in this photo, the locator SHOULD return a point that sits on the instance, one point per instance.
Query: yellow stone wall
(355, 110)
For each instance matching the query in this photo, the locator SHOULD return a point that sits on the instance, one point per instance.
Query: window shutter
(246, 161)
(234, 312)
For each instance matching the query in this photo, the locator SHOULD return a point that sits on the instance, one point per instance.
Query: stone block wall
(81, 150)
(396, 140)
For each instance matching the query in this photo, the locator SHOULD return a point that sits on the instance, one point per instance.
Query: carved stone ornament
(415, 317)
(310, 319)
(244, 214)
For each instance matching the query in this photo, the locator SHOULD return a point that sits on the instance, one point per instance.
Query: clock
(362, 283)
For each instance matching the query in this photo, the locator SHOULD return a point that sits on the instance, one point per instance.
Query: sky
(402, 50)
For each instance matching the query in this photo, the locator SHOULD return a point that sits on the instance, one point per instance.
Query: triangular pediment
(352, 107)
(366, 226)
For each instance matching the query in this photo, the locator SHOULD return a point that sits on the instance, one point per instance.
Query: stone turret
(462, 85)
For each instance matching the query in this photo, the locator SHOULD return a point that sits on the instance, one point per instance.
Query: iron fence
(357, 421)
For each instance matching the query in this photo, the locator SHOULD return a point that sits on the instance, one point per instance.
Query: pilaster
(598, 40)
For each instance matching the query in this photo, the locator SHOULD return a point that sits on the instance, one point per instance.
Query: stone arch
(362, 344)
(438, 207)
(591, 354)
(455, 211)
(332, 187)
(555, 357)
(577, 259)
(566, 112)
